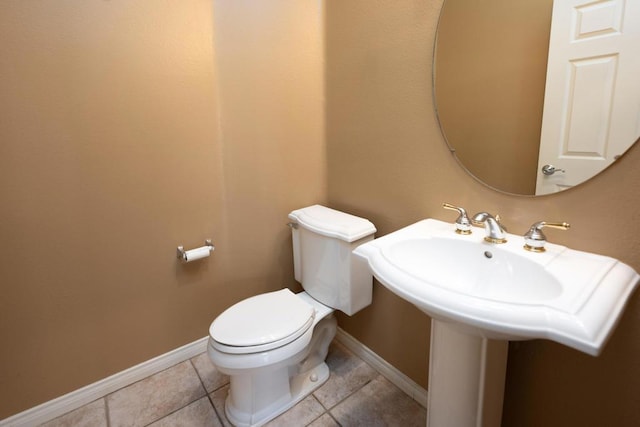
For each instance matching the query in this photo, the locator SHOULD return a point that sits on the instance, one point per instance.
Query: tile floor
(192, 393)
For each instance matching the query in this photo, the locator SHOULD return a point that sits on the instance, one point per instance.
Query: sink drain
(488, 254)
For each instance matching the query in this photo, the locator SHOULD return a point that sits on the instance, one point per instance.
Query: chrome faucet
(495, 231)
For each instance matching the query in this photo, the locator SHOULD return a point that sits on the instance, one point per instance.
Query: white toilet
(273, 346)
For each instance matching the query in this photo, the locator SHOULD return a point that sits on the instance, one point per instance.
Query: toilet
(273, 346)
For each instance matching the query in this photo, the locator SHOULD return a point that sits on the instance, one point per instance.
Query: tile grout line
(315, 419)
(215, 410)
(193, 366)
(353, 354)
(188, 403)
(354, 391)
(198, 397)
(207, 393)
(325, 410)
(171, 413)
(106, 411)
(334, 419)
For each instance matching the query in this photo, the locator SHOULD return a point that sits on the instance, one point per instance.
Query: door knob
(550, 170)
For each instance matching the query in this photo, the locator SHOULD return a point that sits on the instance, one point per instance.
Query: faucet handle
(463, 225)
(535, 239)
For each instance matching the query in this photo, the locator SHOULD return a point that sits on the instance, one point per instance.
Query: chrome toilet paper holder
(181, 254)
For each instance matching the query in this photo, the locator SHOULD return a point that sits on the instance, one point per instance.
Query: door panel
(591, 109)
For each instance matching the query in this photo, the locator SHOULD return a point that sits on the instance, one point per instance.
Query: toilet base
(258, 395)
(301, 386)
(263, 385)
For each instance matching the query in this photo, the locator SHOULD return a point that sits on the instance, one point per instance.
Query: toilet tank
(323, 241)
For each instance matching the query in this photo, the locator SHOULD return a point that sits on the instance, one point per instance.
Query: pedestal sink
(481, 295)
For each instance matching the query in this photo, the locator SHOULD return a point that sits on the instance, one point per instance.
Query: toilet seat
(261, 323)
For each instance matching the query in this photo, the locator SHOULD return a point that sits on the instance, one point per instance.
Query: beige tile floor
(192, 393)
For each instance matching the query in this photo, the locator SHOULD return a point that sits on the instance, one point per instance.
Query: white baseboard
(74, 400)
(400, 380)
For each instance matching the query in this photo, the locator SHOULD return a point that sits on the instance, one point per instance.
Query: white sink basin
(502, 291)
(483, 272)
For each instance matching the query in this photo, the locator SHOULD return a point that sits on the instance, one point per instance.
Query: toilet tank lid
(332, 223)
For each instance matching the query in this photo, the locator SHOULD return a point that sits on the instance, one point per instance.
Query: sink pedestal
(466, 378)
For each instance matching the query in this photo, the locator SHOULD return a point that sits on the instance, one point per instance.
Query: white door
(592, 96)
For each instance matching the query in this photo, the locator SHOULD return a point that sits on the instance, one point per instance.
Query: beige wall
(271, 86)
(489, 86)
(387, 161)
(123, 135)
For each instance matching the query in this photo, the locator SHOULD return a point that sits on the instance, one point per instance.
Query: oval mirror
(534, 97)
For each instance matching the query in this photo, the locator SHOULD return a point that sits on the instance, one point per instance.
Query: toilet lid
(263, 319)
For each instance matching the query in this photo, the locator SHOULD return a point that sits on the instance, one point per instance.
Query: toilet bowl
(272, 371)
(273, 346)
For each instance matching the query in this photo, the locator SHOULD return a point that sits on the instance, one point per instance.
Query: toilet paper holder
(183, 255)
